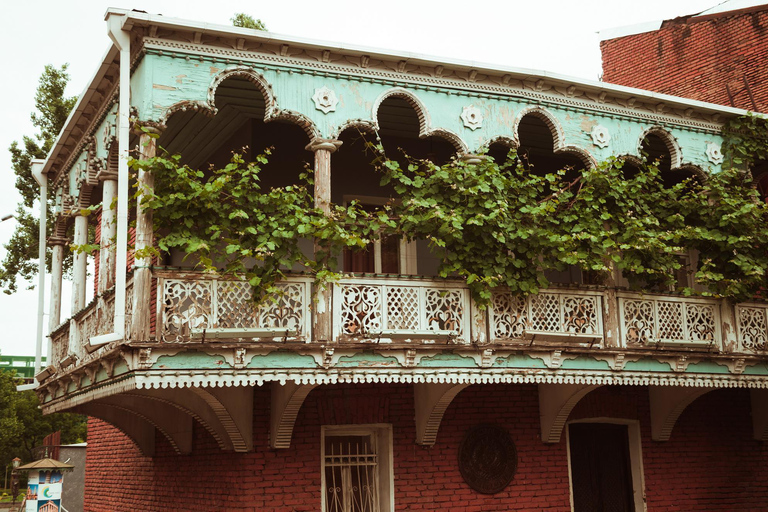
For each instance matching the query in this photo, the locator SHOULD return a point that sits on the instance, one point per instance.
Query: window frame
(635, 457)
(406, 250)
(382, 435)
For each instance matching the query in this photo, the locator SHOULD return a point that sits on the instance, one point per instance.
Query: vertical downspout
(42, 180)
(122, 41)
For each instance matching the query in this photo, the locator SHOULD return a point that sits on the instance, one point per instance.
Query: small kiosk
(44, 485)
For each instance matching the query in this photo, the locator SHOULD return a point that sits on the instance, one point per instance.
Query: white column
(323, 149)
(108, 233)
(79, 264)
(57, 250)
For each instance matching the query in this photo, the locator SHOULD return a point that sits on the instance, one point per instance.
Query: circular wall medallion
(488, 458)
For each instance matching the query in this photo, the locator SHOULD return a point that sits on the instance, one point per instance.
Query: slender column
(323, 311)
(57, 249)
(142, 276)
(611, 310)
(79, 264)
(108, 232)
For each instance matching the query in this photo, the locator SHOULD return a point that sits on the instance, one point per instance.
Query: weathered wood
(79, 264)
(142, 278)
(108, 234)
(323, 311)
(611, 332)
(57, 250)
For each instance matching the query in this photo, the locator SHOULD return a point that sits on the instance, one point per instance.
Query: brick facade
(711, 463)
(697, 57)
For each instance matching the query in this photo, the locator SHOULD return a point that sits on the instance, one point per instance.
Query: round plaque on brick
(488, 459)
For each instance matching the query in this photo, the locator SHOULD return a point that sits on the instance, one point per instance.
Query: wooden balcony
(192, 307)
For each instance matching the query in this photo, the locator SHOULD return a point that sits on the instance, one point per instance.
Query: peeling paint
(368, 359)
(162, 87)
(449, 360)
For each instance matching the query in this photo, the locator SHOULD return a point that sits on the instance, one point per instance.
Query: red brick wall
(711, 462)
(695, 58)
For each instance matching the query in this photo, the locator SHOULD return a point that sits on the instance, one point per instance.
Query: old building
(719, 55)
(389, 389)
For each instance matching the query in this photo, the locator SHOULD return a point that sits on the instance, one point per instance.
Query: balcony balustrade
(70, 342)
(199, 307)
(386, 310)
(679, 321)
(551, 315)
(192, 307)
(752, 321)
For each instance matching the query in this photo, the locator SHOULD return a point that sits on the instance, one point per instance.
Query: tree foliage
(23, 426)
(243, 20)
(52, 109)
(496, 224)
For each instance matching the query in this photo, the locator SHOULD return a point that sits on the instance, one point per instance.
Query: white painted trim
(386, 458)
(635, 457)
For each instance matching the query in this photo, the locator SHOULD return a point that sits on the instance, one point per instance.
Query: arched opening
(206, 141)
(499, 151)
(537, 154)
(537, 148)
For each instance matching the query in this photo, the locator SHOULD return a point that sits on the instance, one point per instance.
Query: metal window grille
(351, 474)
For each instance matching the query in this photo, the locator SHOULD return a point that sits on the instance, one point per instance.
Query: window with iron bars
(357, 468)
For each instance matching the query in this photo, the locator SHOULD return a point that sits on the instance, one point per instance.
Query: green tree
(243, 20)
(23, 426)
(52, 109)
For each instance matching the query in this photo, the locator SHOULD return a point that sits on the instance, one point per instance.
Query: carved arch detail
(695, 170)
(556, 401)
(271, 110)
(667, 404)
(173, 424)
(194, 406)
(431, 401)
(675, 153)
(234, 409)
(425, 123)
(558, 135)
(137, 429)
(362, 125)
(287, 400)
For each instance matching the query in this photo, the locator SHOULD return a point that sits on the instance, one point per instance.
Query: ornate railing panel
(646, 320)
(752, 321)
(402, 309)
(554, 315)
(193, 303)
(97, 318)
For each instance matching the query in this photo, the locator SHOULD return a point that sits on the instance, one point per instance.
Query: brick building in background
(718, 56)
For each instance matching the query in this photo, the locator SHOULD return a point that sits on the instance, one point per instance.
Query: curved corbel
(556, 401)
(189, 403)
(286, 403)
(174, 424)
(138, 429)
(234, 409)
(667, 404)
(431, 401)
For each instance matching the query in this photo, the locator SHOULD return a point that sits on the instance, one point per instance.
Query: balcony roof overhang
(72, 134)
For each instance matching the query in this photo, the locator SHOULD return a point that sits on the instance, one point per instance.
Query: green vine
(496, 224)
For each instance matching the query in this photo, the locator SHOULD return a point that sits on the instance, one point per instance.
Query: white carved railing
(551, 315)
(680, 321)
(400, 309)
(752, 321)
(195, 305)
(97, 318)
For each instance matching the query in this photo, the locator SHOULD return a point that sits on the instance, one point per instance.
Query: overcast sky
(556, 36)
